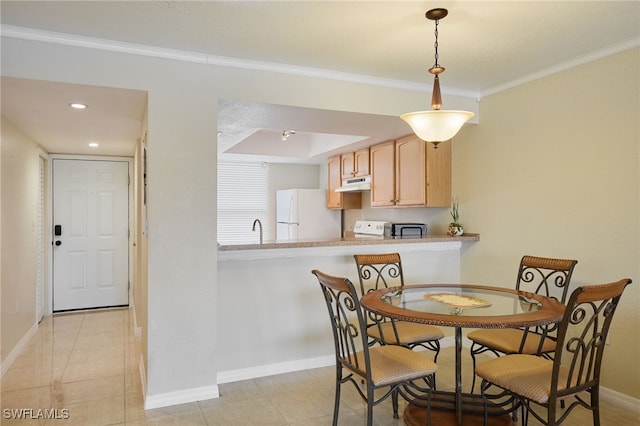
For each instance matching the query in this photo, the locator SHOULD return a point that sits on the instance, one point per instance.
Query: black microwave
(408, 230)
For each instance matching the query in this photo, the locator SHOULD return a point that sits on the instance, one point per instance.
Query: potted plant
(455, 227)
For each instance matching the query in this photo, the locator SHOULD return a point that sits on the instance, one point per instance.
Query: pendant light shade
(437, 125)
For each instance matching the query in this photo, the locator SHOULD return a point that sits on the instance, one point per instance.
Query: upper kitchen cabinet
(355, 164)
(340, 200)
(410, 173)
(383, 176)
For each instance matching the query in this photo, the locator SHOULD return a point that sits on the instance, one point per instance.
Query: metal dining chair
(573, 375)
(541, 275)
(377, 271)
(396, 369)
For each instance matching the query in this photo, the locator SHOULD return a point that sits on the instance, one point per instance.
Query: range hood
(358, 184)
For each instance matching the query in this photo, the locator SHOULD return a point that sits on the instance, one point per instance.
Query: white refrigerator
(302, 214)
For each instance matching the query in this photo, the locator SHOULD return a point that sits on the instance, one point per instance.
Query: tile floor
(86, 363)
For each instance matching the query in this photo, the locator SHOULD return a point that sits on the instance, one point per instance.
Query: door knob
(58, 243)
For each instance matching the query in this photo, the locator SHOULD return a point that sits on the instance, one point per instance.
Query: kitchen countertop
(347, 241)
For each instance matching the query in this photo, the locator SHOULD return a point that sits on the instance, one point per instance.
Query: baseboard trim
(278, 368)
(181, 397)
(17, 350)
(620, 399)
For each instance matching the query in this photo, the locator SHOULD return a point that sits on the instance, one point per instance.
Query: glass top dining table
(462, 306)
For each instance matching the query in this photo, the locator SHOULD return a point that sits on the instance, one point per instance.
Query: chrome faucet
(254, 228)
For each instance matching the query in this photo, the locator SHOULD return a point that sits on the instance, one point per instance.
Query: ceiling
(485, 46)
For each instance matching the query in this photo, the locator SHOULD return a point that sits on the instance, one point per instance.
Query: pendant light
(437, 125)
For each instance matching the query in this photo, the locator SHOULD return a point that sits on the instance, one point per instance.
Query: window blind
(242, 198)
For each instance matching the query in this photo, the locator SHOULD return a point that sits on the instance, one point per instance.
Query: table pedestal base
(443, 416)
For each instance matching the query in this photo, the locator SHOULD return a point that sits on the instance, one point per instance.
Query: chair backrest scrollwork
(545, 276)
(582, 336)
(377, 271)
(347, 322)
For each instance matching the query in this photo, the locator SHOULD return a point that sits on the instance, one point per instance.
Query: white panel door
(90, 218)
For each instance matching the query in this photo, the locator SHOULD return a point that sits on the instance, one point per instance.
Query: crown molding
(629, 44)
(31, 34)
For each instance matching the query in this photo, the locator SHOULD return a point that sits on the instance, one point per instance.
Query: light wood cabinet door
(340, 200)
(410, 166)
(334, 199)
(439, 175)
(348, 165)
(383, 186)
(361, 162)
(355, 164)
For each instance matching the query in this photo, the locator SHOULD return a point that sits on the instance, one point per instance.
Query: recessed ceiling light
(94, 144)
(77, 105)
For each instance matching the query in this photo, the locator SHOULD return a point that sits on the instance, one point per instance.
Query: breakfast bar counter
(274, 312)
(347, 241)
(226, 251)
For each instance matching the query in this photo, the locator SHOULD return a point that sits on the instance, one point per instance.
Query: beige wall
(552, 170)
(19, 157)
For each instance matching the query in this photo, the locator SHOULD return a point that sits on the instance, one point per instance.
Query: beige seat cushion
(409, 332)
(525, 375)
(392, 364)
(508, 341)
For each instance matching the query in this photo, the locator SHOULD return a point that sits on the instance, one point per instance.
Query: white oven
(371, 229)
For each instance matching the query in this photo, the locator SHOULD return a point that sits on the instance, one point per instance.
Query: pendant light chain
(435, 45)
